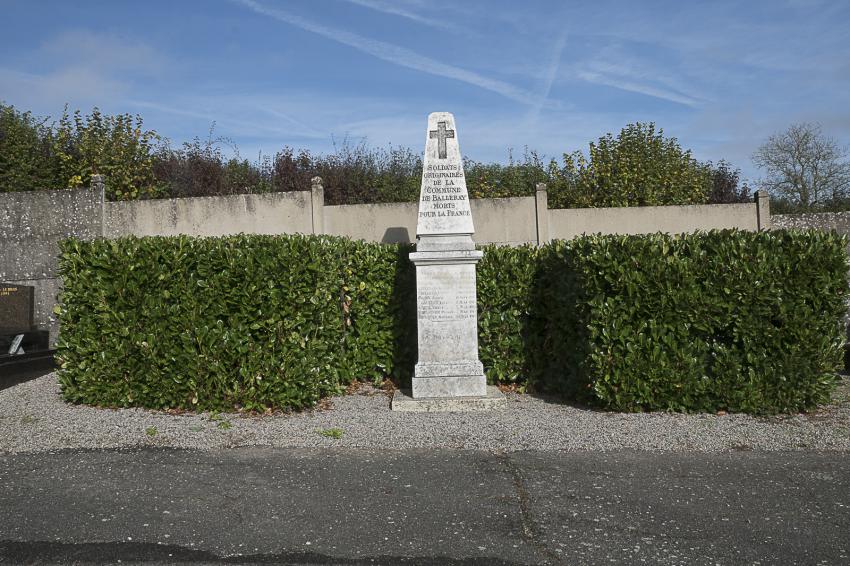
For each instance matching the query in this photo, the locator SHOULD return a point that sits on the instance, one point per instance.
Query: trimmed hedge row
(254, 322)
(740, 321)
(721, 320)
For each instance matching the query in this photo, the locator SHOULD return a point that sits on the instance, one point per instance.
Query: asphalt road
(339, 506)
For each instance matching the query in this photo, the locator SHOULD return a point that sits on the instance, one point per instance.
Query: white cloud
(81, 68)
(85, 48)
(398, 9)
(551, 74)
(397, 55)
(619, 67)
(634, 86)
(80, 87)
(237, 116)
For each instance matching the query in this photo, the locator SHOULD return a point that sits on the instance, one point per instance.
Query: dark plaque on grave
(16, 308)
(23, 347)
(19, 338)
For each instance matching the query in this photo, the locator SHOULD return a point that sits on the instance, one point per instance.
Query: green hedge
(217, 323)
(506, 276)
(740, 321)
(721, 320)
(378, 310)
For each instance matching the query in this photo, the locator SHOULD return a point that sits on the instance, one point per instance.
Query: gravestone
(448, 373)
(16, 307)
(18, 334)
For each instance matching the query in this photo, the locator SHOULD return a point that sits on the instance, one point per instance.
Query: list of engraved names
(440, 302)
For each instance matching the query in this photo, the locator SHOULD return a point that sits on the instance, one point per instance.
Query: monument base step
(403, 401)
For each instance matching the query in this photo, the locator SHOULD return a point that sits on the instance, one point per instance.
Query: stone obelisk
(448, 367)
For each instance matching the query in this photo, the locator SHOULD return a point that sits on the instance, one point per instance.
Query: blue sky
(720, 76)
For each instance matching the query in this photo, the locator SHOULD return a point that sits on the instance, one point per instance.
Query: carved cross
(441, 133)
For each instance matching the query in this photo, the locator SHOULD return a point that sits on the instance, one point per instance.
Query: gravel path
(33, 418)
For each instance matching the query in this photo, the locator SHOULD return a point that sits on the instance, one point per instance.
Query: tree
(113, 146)
(27, 162)
(640, 167)
(724, 184)
(804, 166)
(517, 178)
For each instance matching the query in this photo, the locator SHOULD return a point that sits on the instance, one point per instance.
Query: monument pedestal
(448, 376)
(447, 318)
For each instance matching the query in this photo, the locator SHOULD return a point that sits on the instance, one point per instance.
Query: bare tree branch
(804, 166)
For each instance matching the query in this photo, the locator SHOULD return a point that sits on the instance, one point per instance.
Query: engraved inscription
(444, 187)
(444, 206)
(6, 291)
(439, 304)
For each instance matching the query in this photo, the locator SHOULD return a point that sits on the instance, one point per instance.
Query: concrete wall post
(99, 186)
(762, 199)
(317, 205)
(541, 206)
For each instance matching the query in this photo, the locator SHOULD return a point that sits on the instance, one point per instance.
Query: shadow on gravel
(840, 398)
(16, 552)
(561, 401)
(18, 372)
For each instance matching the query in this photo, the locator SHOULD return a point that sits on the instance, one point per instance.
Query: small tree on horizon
(640, 167)
(113, 146)
(804, 167)
(724, 181)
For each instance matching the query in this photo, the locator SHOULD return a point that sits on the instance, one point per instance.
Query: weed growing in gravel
(28, 419)
(151, 431)
(197, 428)
(331, 432)
(224, 425)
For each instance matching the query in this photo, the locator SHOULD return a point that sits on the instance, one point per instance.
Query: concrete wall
(567, 224)
(837, 221)
(504, 221)
(277, 213)
(387, 223)
(827, 221)
(509, 221)
(31, 225)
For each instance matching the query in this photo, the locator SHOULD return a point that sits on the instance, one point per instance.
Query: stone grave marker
(18, 334)
(448, 373)
(16, 308)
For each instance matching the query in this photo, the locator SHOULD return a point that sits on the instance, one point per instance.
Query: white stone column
(447, 319)
(448, 373)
